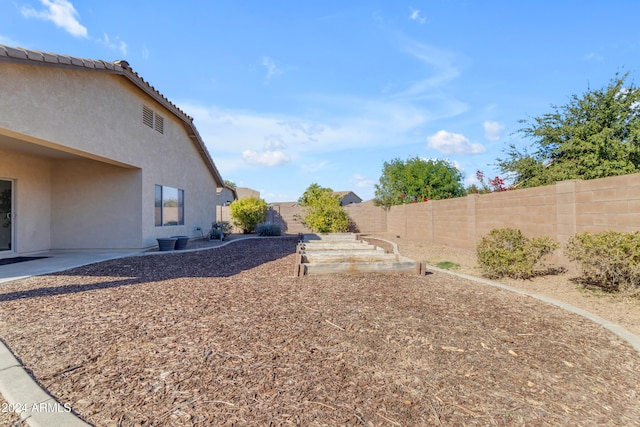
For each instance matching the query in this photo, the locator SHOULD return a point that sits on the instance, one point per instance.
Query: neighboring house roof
(122, 68)
(349, 195)
(230, 189)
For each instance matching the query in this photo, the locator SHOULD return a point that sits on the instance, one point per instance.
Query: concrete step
(359, 267)
(343, 253)
(335, 246)
(329, 237)
(322, 257)
(346, 252)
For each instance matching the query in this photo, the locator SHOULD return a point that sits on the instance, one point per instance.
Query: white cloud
(278, 197)
(311, 167)
(360, 181)
(232, 131)
(492, 130)
(114, 45)
(265, 158)
(444, 67)
(453, 143)
(416, 16)
(8, 41)
(61, 13)
(274, 142)
(339, 121)
(272, 68)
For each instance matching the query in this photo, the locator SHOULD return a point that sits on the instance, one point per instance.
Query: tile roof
(21, 55)
(121, 67)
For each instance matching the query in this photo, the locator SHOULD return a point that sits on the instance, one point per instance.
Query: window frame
(166, 198)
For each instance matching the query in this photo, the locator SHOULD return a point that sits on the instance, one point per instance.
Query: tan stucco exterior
(348, 197)
(247, 193)
(84, 165)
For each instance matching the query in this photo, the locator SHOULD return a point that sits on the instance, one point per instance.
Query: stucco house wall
(85, 165)
(348, 197)
(247, 193)
(32, 175)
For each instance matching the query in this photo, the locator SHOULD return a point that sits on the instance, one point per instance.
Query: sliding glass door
(6, 200)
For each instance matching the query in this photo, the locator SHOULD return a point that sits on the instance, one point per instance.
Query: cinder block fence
(557, 211)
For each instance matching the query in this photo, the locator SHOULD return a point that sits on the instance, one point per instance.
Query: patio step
(337, 245)
(342, 253)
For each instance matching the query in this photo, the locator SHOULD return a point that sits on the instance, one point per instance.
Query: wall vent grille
(147, 116)
(152, 119)
(159, 123)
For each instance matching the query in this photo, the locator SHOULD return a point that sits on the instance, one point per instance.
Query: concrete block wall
(608, 203)
(532, 210)
(367, 217)
(453, 222)
(287, 215)
(283, 214)
(558, 211)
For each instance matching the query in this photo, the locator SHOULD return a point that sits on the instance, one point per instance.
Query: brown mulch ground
(229, 337)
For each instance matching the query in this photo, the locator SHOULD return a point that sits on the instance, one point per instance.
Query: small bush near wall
(508, 253)
(219, 229)
(268, 229)
(610, 260)
(248, 213)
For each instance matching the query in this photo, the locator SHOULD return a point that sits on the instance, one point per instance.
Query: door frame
(12, 233)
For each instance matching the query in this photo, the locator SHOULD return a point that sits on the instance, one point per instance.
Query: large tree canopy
(416, 180)
(593, 136)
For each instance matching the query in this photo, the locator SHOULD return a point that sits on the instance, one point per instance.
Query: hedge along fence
(558, 211)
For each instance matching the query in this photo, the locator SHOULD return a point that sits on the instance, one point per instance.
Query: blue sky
(289, 93)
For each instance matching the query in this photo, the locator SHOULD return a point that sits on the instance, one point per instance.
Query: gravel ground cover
(228, 336)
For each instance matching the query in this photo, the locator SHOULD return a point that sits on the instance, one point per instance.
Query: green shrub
(327, 219)
(268, 229)
(507, 252)
(248, 213)
(324, 213)
(218, 228)
(610, 259)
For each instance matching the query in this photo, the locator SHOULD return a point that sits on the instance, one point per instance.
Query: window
(169, 206)
(152, 119)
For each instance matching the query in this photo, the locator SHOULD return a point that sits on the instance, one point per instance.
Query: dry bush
(610, 260)
(508, 253)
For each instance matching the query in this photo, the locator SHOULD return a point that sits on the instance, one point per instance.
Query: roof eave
(33, 57)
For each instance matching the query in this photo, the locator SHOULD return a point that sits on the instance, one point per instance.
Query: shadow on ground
(223, 261)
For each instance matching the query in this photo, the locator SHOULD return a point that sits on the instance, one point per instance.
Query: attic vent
(152, 119)
(147, 116)
(159, 125)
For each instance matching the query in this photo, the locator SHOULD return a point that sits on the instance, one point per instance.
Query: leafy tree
(230, 183)
(416, 180)
(324, 213)
(248, 213)
(593, 136)
(312, 194)
(488, 186)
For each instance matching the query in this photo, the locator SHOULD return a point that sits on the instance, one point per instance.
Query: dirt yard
(228, 336)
